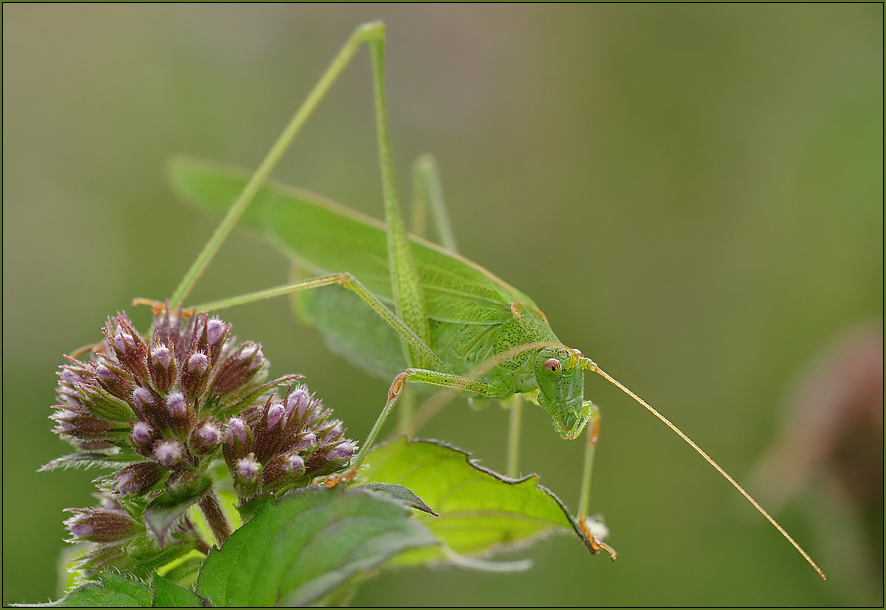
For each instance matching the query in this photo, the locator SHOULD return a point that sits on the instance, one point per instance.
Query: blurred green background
(692, 194)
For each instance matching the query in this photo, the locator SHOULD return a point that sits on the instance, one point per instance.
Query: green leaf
(111, 591)
(168, 594)
(165, 510)
(94, 459)
(480, 511)
(298, 550)
(399, 494)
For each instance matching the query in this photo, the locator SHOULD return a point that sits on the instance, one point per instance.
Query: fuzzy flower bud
(180, 413)
(282, 471)
(143, 437)
(306, 443)
(100, 525)
(239, 442)
(168, 452)
(216, 334)
(343, 451)
(238, 368)
(137, 478)
(206, 438)
(147, 406)
(195, 375)
(247, 476)
(129, 347)
(102, 403)
(162, 367)
(298, 402)
(113, 380)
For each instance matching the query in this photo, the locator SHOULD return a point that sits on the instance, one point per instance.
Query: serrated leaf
(480, 511)
(168, 594)
(165, 510)
(92, 459)
(301, 548)
(111, 591)
(400, 494)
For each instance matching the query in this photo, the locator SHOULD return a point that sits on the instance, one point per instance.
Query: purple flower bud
(297, 402)
(330, 431)
(102, 404)
(195, 375)
(275, 415)
(113, 380)
(82, 425)
(343, 451)
(177, 405)
(180, 415)
(238, 368)
(295, 465)
(142, 438)
(69, 376)
(197, 362)
(137, 478)
(205, 438)
(247, 476)
(247, 469)
(239, 441)
(161, 355)
(168, 452)
(306, 443)
(161, 365)
(237, 432)
(100, 525)
(144, 402)
(130, 349)
(216, 330)
(123, 341)
(283, 471)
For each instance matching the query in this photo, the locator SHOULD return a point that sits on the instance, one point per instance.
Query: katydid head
(561, 390)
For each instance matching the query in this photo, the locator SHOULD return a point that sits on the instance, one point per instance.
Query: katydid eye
(552, 365)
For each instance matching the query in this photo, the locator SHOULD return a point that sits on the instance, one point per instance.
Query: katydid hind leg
(408, 298)
(370, 33)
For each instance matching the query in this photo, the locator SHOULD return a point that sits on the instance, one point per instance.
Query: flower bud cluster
(166, 406)
(284, 443)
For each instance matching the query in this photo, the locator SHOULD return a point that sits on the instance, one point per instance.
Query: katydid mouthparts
(413, 310)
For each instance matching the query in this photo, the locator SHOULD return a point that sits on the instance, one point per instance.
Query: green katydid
(453, 325)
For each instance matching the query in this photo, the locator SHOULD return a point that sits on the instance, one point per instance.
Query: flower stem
(215, 517)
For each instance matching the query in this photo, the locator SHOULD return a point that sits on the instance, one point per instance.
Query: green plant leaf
(303, 547)
(165, 509)
(169, 594)
(95, 459)
(399, 494)
(110, 591)
(480, 511)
